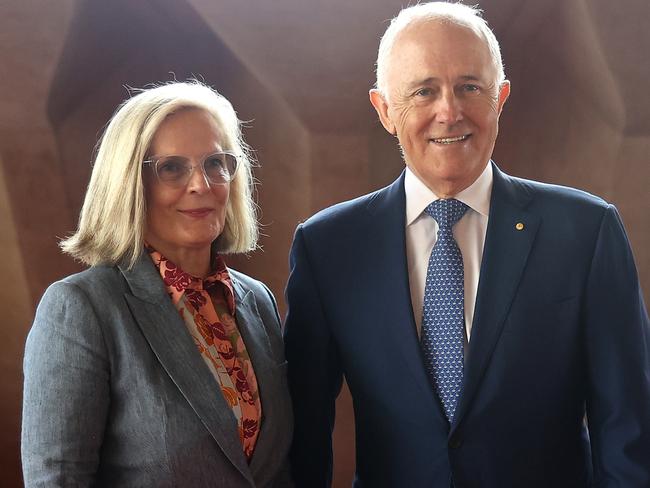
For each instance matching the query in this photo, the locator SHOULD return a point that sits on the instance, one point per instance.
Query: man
(491, 329)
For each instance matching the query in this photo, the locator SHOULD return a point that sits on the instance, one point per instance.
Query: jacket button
(455, 442)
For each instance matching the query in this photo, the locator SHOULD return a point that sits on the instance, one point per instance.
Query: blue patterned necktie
(443, 316)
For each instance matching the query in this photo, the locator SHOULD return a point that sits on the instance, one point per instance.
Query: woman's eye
(213, 163)
(171, 167)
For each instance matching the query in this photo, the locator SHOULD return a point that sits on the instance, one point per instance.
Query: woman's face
(188, 218)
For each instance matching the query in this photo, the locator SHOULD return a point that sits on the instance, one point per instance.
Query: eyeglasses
(218, 168)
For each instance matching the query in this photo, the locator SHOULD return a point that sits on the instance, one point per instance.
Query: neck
(445, 190)
(196, 264)
(195, 261)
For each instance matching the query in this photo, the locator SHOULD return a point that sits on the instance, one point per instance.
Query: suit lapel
(509, 239)
(389, 272)
(170, 341)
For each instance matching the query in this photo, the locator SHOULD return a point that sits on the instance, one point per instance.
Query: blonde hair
(454, 13)
(113, 217)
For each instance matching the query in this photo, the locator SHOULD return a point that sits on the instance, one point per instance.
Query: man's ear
(381, 106)
(504, 93)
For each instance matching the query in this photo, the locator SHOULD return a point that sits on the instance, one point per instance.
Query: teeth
(450, 140)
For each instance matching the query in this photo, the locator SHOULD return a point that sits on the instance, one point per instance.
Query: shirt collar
(177, 281)
(419, 196)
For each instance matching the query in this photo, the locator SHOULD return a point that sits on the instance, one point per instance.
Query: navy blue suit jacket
(560, 334)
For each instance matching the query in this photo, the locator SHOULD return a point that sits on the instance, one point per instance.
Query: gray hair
(455, 13)
(113, 217)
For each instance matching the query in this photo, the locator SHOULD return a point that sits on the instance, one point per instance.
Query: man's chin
(448, 178)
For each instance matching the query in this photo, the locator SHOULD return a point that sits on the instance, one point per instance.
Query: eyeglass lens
(219, 168)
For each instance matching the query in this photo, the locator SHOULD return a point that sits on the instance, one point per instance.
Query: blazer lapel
(170, 341)
(389, 272)
(510, 236)
(258, 346)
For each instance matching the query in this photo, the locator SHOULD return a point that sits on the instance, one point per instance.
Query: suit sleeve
(618, 350)
(66, 391)
(315, 374)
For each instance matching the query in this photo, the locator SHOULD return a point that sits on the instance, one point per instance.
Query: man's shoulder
(554, 196)
(341, 211)
(356, 210)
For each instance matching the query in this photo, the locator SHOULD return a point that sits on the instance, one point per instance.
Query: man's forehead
(436, 36)
(438, 45)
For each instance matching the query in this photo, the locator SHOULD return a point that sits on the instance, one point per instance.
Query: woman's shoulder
(97, 282)
(95, 275)
(78, 305)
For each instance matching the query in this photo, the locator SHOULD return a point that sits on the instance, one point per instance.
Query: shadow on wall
(119, 44)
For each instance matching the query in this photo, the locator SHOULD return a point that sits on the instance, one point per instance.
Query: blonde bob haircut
(113, 217)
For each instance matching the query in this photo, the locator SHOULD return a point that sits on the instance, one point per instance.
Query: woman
(160, 366)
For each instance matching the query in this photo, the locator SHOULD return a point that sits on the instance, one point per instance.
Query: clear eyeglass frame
(218, 168)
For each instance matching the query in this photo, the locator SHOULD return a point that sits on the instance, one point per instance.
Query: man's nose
(448, 108)
(198, 181)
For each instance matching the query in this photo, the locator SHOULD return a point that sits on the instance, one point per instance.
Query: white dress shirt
(469, 233)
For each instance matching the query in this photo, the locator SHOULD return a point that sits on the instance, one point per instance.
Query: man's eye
(469, 88)
(424, 92)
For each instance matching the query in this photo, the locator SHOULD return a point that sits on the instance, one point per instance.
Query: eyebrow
(432, 79)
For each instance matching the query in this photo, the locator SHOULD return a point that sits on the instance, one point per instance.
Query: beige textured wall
(33, 203)
(283, 149)
(17, 310)
(578, 115)
(339, 168)
(575, 115)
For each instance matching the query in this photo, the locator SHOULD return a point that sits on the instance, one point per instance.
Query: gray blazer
(116, 393)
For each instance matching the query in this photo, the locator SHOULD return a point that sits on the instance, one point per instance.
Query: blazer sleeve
(272, 322)
(314, 372)
(66, 391)
(283, 478)
(618, 357)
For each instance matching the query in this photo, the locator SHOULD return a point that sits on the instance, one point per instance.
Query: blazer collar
(268, 377)
(390, 200)
(510, 235)
(170, 341)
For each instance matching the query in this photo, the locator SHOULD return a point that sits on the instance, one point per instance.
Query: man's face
(442, 103)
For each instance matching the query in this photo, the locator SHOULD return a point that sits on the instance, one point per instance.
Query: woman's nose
(198, 181)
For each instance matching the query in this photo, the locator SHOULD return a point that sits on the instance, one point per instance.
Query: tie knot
(446, 212)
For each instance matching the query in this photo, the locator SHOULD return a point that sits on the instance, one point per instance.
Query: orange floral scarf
(207, 306)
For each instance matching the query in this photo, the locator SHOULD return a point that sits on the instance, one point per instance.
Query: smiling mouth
(450, 140)
(196, 212)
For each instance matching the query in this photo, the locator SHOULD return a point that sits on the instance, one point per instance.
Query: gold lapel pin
(519, 226)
